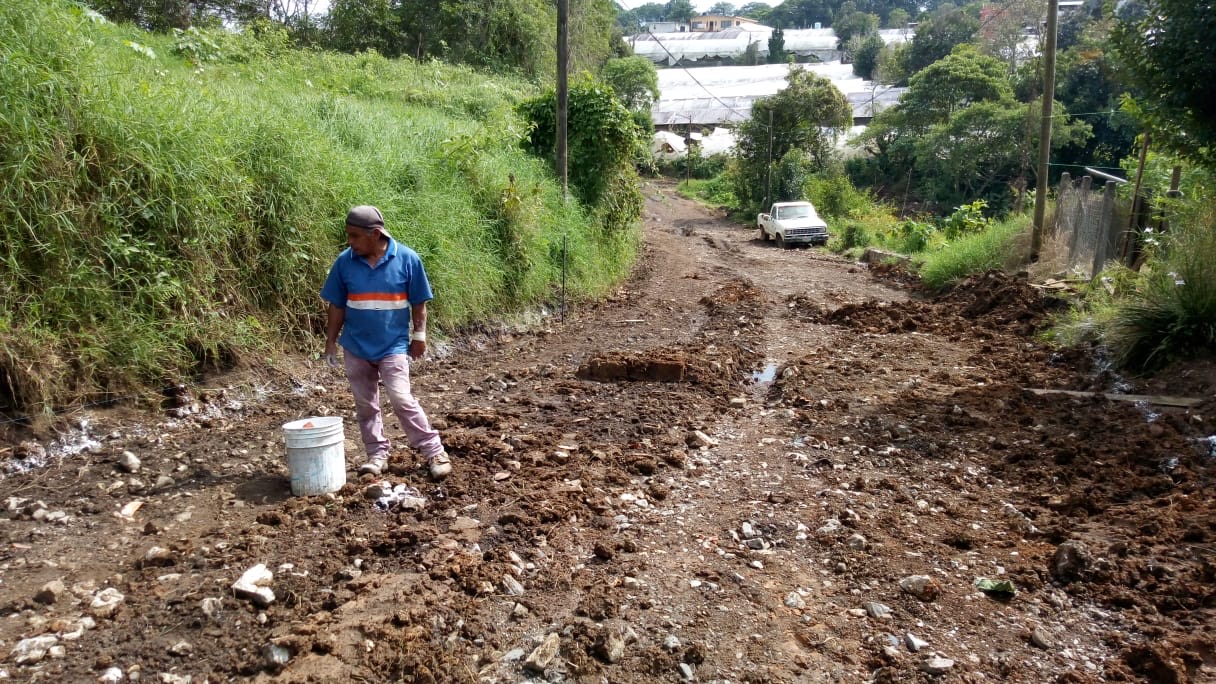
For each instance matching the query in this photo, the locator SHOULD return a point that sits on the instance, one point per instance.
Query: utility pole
(688, 157)
(1049, 94)
(563, 95)
(768, 168)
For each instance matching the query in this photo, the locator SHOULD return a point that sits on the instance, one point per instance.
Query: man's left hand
(417, 349)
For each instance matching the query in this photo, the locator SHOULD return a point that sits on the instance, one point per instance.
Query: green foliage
(835, 198)
(975, 253)
(776, 46)
(967, 219)
(601, 138)
(634, 80)
(1168, 54)
(910, 236)
(156, 218)
(937, 36)
(512, 37)
(866, 53)
(716, 190)
(958, 135)
(806, 115)
(680, 11)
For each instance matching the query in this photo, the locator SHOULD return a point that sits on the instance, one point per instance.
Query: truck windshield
(796, 211)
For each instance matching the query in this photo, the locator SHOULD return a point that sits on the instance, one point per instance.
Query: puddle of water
(766, 375)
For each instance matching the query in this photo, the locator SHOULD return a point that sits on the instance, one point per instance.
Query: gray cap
(366, 216)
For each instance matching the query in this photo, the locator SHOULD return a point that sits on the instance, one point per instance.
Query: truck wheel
(763, 235)
(781, 241)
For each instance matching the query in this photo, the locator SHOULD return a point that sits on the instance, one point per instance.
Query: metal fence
(1086, 226)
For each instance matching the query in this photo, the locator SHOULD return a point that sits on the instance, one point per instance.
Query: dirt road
(749, 465)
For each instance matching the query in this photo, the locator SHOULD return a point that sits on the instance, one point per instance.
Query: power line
(694, 78)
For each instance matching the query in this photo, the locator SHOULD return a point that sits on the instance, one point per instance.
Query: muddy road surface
(747, 465)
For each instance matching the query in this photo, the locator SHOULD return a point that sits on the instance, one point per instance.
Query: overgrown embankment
(173, 202)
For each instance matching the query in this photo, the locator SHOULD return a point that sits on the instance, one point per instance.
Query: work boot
(374, 466)
(440, 465)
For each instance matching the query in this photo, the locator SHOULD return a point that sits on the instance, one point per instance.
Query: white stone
(33, 650)
(111, 676)
(106, 602)
(254, 586)
(129, 462)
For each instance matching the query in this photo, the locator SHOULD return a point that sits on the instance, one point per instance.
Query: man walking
(377, 290)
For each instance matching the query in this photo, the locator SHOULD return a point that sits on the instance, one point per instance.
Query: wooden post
(563, 94)
(1049, 94)
(1106, 236)
(1128, 247)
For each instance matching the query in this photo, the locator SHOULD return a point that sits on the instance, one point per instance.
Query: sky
(700, 5)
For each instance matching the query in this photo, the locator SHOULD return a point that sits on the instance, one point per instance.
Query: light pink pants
(394, 371)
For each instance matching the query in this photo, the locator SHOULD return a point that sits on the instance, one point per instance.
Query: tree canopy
(806, 116)
(1168, 53)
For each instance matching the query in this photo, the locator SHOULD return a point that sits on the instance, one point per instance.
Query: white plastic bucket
(316, 455)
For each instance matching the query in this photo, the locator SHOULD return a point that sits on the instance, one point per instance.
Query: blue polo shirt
(377, 299)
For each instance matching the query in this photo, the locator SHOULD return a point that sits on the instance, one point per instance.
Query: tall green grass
(1172, 314)
(995, 247)
(159, 215)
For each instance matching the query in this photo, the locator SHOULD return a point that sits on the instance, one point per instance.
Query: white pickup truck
(792, 223)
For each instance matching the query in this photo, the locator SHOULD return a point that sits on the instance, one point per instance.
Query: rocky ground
(748, 465)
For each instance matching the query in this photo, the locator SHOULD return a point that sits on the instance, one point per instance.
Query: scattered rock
(50, 592)
(544, 654)
(276, 655)
(922, 587)
(254, 586)
(937, 665)
(1041, 638)
(212, 607)
(34, 649)
(105, 604)
(128, 462)
(914, 643)
(878, 611)
(1071, 561)
(512, 586)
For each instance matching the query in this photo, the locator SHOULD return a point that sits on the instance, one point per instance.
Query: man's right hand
(331, 360)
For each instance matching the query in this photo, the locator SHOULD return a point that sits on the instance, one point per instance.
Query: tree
(602, 141)
(1169, 56)
(776, 46)
(936, 37)
(680, 11)
(634, 80)
(651, 12)
(897, 19)
(806, 115)
(755, 10)
(963, 132)
(856, 24)
(725, 9)
(865, 56)
(1003, 31)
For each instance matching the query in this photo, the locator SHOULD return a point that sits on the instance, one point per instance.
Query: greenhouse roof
(672, 48)
(723, 95)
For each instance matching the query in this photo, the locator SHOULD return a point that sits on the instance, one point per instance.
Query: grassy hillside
(173, 202)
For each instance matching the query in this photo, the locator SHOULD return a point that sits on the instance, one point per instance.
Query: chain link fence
(1087, 225)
